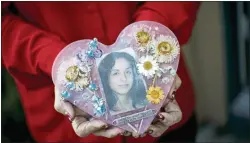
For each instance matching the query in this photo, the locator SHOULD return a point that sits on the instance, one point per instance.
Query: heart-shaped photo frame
(124, 84)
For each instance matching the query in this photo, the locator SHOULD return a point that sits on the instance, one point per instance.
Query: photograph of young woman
(123, 87)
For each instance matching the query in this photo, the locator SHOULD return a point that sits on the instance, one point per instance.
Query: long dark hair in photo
(137, 92)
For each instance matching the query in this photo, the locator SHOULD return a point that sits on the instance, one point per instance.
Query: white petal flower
(166, 49)
(82, 83)
(84, 70)
(148, 66)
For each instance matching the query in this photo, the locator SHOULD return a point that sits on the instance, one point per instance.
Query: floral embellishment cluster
(77, 76)
(156, 51)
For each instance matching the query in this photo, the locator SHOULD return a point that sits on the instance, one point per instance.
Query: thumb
(63, 107)
(69, 109)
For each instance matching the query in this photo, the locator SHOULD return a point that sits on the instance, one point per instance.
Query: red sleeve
(28, 54)
(25, 47)
(178, 16)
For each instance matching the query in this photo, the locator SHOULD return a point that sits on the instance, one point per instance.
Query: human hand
(82, 123)
(170, 114)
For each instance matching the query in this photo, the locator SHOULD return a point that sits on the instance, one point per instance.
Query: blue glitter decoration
(99, 106)
(90, 53)
(95, 98)
(93, 87)
(70, 85)
(100, 111)
(65, 94)
(93, 51)
(93, 44)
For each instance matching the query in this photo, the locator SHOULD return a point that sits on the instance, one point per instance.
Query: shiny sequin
(99, 106)
(93, 51)
(99, 111)
(93, 86)
(75, 102)
(90, 54)
(93, 44)
(70, 85)
(65, 94)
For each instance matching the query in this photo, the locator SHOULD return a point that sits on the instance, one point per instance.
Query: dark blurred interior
(219, 64)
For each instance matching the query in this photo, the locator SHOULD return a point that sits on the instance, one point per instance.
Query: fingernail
(162, 109)
(104, 126)
(67, 112)
(154, 121)
(69, 117)
(160, 117)
(142, 135)
(150, 131)
(172, 97)
(124, 133)
(174, 92)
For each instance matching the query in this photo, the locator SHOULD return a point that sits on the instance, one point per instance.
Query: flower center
(143, 37)
(155, 94)
(164, 48)
(147, 65)
(72, 73)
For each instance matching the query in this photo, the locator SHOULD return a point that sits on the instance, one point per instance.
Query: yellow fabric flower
(155, 94)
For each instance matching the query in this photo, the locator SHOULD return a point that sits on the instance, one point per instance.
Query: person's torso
(80, 20)
(85, 20)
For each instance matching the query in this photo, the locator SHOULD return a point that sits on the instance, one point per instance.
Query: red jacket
(31, 41)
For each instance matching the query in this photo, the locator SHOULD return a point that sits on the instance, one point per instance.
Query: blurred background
(218, 59)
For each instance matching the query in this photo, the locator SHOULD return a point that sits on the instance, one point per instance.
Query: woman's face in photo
(121, 77)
